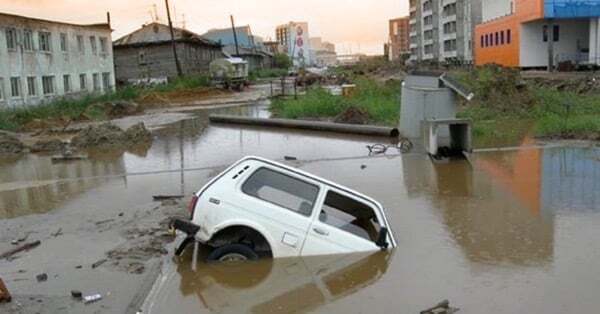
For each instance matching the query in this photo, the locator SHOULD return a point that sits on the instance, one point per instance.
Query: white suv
(260, 208)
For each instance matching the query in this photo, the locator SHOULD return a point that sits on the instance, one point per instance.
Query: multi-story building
(539, 33)
(294, 38)
(442, 30)
(41, 60)
(398, 38)
(322, 53)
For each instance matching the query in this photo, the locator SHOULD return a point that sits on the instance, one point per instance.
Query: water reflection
(276, 286)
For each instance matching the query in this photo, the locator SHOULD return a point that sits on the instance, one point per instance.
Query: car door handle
(321, 231)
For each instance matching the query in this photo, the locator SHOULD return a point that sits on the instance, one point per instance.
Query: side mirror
(382, 239)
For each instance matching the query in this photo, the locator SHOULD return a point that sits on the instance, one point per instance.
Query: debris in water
(76, 294)
(441, 308)
(42, 277)
(166, 197)
(290, 158)
(92, 298)
(57, 233)
(4, 294)
(24, 247)
(98, 263)
(363, 167)
(101, 222)
(79, 267)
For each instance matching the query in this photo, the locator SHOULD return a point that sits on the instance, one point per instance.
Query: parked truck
(229, 72)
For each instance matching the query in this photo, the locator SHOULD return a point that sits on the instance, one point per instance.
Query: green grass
(267, 73)
(380, 100)
(65, 108)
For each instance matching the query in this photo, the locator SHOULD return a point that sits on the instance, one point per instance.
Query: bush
(282, 61)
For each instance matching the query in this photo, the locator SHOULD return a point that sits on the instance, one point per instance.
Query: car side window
(350, 215)
(282, 190)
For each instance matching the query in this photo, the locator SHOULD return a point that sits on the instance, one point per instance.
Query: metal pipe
(308, 125)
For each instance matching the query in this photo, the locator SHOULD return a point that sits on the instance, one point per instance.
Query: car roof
(308, 175)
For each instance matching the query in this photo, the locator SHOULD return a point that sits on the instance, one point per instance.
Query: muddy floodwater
(512, 231)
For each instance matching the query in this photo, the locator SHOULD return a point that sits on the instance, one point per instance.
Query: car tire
(232, 253)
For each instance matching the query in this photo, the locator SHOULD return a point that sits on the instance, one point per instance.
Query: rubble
(10, 143)
(76, 294)
(52, 145)
(99, 263)
(121, 108)
(108, 135)
(353, 115)
(441, 308)
(4, 294)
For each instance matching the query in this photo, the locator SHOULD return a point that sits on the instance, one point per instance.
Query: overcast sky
(353, 25)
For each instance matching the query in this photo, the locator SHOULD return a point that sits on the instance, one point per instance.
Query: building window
(63, 42)
(508, 36)
(427, 5)
(450, 28)
(15, 86)
(428, 49)
(96, 82)
(428, 20)
(556, 32)
(482, 41)
(80, 44)
(106, 81)
(142, 58)
(82, 82)
(450, 45)
(449, 10)
(11, 38)
(93, 44)
(497, 39)
(45, 41)
(1, 89)
(427, 35)
(67, 83)
(48, 85)
(103, 45)
(501, 37)
(27, 40)
(31, 90)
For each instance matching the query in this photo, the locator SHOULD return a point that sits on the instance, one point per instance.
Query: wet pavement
(509, 232)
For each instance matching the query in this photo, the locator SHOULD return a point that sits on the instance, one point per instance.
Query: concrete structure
(539, 33)
(398, 38)
(428, 112)
(442, 30)
(294, 37)
(41, 60)
(322, 53)
(274, 47)
(146, 55)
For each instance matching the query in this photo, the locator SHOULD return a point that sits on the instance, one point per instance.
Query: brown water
(511, 232)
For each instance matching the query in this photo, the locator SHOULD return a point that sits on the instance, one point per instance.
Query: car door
(283, 204)
(336, 228)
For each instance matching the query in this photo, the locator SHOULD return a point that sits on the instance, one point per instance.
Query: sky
(353, 25)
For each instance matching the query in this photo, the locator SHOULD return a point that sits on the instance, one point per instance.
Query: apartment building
(539, 33)
(41, 60)
(294, 38)
(443, 30)
(398, 38)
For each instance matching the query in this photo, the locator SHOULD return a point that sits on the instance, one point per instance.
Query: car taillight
(192, 206)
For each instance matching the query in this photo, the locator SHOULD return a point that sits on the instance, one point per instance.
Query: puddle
(511, 232)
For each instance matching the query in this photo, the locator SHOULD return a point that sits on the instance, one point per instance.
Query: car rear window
(282, 190)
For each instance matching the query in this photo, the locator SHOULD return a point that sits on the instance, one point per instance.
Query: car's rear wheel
(232, 253)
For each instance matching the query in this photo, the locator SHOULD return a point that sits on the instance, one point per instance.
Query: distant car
(261, 208)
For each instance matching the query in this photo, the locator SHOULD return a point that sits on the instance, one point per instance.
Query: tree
(281, 60)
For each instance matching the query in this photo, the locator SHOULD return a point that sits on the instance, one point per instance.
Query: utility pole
(179, 73)
(550, 36)
(237, 48)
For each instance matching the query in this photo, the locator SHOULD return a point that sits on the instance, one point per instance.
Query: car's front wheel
(232, 253)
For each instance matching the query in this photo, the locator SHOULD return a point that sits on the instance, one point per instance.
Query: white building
(41, 60)
(322, 53)
(294, 38)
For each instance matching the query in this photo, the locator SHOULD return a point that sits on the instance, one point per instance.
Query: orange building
(525, 33)
(398, 45)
